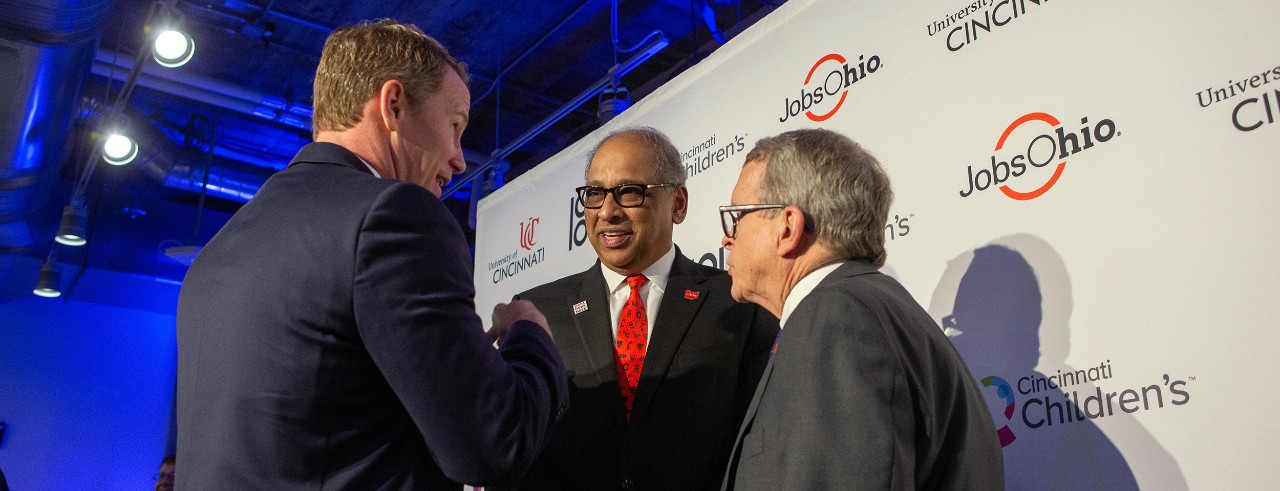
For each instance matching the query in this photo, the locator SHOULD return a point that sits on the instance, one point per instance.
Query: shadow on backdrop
(1007, 308)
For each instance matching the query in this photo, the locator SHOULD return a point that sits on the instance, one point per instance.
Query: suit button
(628, 484)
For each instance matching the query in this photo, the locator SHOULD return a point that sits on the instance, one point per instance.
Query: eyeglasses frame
(730, 214)
(581, 190)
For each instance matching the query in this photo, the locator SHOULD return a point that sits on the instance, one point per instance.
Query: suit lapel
(596, 334)
(747, 421)
(680, 303)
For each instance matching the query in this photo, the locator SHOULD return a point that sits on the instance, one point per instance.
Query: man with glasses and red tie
(662, 362)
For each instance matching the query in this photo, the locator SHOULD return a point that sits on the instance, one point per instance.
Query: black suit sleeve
(483, 413)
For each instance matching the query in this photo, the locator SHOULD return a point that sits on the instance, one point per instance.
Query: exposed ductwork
(225, 181)
(176, 168)
(46, 48)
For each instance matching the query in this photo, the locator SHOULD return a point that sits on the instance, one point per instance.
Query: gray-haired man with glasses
(662, 362)
(864, 391)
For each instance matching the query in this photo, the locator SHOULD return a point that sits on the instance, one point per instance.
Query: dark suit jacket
(701, 368)
(865, 392)
(327, 339)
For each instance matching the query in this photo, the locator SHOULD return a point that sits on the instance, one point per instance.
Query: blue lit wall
(86, 386)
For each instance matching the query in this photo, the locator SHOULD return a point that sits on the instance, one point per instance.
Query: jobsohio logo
(1037, 166)
(827, 85)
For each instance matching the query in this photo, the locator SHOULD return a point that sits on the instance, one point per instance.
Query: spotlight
(612, 102)
(173, 48)
(50, 280)
(75, 218)
(119, 149)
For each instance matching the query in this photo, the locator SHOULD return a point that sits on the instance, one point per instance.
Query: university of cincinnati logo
(832, 75)
(1046, 151)
(526, 233)
(516, 263)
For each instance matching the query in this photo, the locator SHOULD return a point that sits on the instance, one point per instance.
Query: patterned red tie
(633, 335)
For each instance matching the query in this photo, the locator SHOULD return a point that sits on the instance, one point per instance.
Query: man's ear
(680, 204)
(790, 232)
(392, 104)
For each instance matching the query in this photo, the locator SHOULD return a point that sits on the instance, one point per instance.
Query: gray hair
(838, 185)
(666, 159)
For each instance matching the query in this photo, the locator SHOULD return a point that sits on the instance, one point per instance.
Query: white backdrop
(1148, 259)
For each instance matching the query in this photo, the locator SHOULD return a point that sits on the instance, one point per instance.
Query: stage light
(75, 218)
(50, 280)
(173, 48)
(612, 102)
(119, 149)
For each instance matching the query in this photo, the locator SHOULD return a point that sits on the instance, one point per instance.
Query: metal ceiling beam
(643, 54)
(221, 94)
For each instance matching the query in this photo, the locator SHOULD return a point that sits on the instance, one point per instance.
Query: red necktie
(633, 335)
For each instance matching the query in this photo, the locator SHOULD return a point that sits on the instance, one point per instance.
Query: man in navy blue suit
(327, 337)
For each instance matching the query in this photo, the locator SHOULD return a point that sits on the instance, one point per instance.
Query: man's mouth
(614, 238)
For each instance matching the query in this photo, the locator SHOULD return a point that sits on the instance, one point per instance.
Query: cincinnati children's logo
(1049, 400)
(827, 85)
(516, 263)
(1040, 145)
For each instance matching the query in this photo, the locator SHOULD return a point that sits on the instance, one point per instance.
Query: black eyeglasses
(625, 195)
(729, 216)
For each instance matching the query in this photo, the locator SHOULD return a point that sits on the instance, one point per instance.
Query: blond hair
(358, 59)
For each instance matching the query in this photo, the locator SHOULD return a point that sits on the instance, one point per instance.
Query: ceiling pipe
(645, 52)
(529, 50)
(231, 97)
(46, 47)
(52, 22)
(183, 169)
(184, 84)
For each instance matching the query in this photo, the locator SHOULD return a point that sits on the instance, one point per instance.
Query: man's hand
(506, 314)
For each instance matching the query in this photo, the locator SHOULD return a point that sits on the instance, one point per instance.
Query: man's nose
(610, 210)
(457, 162)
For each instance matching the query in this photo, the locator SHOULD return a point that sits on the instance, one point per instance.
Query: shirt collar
(803, 288)
(371, 169)
(657, 273)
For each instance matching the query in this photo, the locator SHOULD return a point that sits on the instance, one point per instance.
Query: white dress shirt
(803, 288)
(371, 169)
(650, 292)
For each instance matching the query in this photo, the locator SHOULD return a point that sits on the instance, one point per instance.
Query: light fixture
(612, 102)
(173, 48)
(119, 149)
(50, 279)
(75, 218)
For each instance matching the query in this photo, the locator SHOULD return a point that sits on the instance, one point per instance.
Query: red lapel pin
(690, 295)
